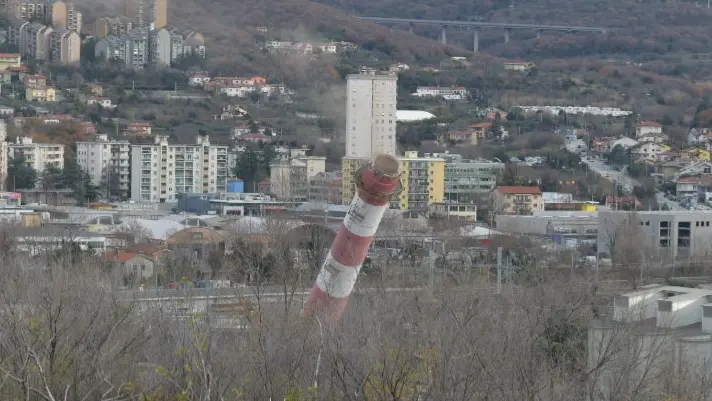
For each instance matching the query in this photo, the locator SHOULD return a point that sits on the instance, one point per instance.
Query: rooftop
(519, 190)
(663, 306)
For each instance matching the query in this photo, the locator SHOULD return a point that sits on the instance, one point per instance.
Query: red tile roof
(705, 179)
(481, 125)
(254, 136)
(519, 190)
(9, 55)
(623, 199)
(146, 249)
(649, 124)
(119, 256)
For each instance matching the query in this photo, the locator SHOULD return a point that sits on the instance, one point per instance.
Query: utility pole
(499, 270)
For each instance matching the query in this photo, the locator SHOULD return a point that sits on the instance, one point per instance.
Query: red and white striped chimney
(376, 184)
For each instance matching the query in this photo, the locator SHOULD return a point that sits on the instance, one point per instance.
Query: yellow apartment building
(40, 94)
(422, 180)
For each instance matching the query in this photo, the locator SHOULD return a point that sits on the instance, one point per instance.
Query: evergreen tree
(253, 165)
(20, 175)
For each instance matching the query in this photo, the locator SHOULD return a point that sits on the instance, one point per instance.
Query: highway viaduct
(476, 26)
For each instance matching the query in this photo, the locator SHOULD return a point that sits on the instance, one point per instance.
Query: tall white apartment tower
(3, 153)
(161, 170)
(371, 113)
(107, 162)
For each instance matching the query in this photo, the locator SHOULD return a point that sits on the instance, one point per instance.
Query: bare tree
(64, 338)
(134, 231)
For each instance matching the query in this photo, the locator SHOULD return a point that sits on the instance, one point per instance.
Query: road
(624, 179)
(660, 197)
(609, 172)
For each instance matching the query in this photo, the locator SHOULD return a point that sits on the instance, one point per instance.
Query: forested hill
(635, 26)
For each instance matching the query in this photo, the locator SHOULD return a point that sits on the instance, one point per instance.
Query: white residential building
(37, 155)
(647, 150)
(161, 47)
(107, 163)
(371, 113)
(3, 153)
(453, 93)
(198, 79)
(161, 170)
(655, 138)
(290, 178)
(648, 127)
(101, 101)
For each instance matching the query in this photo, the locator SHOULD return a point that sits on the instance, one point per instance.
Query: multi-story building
(46, 94)
(161, 170)
(466, 180)
(194, 46)
(370, 113)
(9, 60)
(176, 45)
(422, 181)
(290, 178)
(147, 13)
(137, 128)
(112, 26)
(65, 15)
(657, 337)
(325, 188)
(657, 235)
(65, 46)
(3, 153)
(38, 156)
(138, 48)
(131, 49)
(34, 81)
(29, 10)
(34, 41)
(161, 47)
(108, 164)
(14, 30)
(111, 48)
(517, 200)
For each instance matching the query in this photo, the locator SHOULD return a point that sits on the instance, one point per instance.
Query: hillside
(228, 27)
(636, 27)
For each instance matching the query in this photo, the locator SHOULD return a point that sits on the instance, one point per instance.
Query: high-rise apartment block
(107, 162)
(34, 41)
(161, 170)
(132, 49)
(65, 46)
(162, 53)
(3, 153)
(65, 15)
(29, 10)
(112, 48)
(112, 26)
(152, 14)
(371, 113)
(38, 156)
